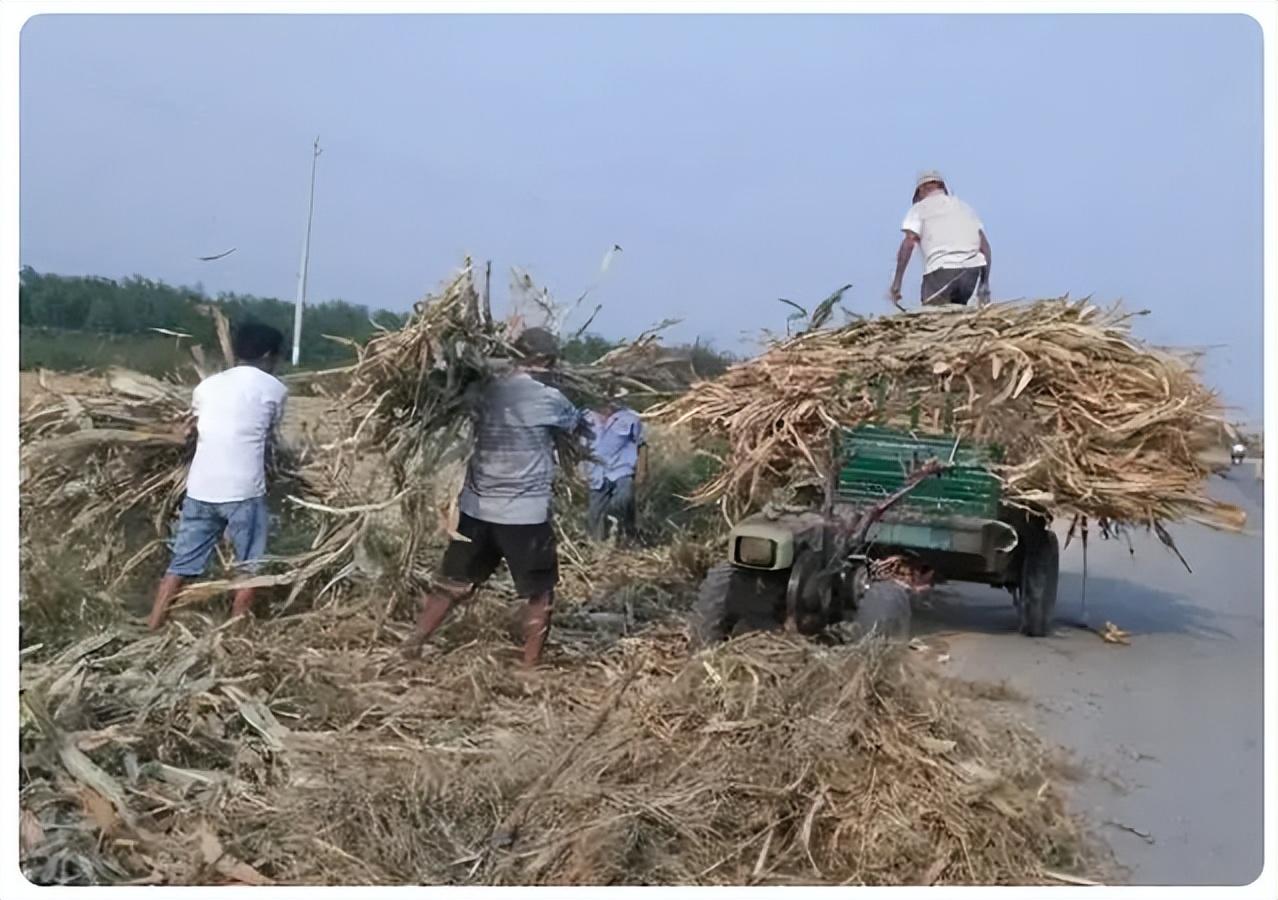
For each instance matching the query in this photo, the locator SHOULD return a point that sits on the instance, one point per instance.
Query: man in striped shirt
(506, 502)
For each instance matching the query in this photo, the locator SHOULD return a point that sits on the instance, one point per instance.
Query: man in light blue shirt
(619, 454)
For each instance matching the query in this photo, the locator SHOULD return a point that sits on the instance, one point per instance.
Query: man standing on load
(506, 502)
(956, 253)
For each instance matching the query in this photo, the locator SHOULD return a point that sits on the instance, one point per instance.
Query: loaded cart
(899, 509)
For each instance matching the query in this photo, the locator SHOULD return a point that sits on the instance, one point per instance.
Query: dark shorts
(529, 552)
(945, 286)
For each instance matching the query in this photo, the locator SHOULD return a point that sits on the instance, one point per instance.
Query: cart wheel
(731, 600)
(1040, 567)
(884, 608)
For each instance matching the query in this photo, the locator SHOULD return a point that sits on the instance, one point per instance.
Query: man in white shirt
(236, 414)
(956, 253)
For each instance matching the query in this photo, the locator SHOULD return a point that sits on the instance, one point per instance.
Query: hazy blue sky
(735, 159)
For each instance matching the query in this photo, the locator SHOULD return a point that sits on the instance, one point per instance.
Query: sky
(735, 159)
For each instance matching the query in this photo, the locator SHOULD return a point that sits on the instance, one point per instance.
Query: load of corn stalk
(305, 752)
(1087, 420)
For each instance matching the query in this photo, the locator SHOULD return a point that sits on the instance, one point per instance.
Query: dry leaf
(1112, 634)
(934, 745)
(1024, 382)
(30, 831)
(726, 727)
(91, 776)
(934, 871)
(224, 863)
(99, 809)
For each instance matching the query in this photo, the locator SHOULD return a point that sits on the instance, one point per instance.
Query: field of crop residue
(300, 748)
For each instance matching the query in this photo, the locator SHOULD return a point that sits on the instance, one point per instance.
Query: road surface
(1169, 728)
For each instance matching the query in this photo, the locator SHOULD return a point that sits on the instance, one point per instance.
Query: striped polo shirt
(511, 474)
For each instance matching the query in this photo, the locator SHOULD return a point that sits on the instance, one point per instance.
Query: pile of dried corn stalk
(307, 753)
(86, 461)
(93, 466)
(1090, 421)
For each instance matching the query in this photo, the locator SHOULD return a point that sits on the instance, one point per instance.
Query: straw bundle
(303, 755)
(1090, 421)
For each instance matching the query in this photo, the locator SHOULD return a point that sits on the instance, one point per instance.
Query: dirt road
(1169, 728)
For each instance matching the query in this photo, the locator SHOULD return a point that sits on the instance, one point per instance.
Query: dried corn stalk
(1090, 421)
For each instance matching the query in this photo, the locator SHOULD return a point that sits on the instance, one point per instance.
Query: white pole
(306, 260)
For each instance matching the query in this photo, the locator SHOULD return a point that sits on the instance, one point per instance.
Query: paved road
(1170, 727)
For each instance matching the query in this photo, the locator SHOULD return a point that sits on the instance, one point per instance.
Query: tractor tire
(731, 601)
(709, 622)
(1040, 571)
(884, 609)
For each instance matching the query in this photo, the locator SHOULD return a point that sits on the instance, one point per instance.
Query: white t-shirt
(236, 411)
(949, 231)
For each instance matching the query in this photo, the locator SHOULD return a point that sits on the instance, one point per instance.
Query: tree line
(138, 306)
(125, 314)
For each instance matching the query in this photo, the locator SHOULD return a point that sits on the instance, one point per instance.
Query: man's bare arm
(903, 254)
(983, 286)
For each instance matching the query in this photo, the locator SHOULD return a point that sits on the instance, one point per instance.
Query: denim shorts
(202, 526)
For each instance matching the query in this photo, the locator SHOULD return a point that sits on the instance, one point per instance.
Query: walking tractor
(900, 512)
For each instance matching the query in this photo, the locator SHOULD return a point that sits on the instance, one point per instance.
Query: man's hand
(902, 260)
(983, 294)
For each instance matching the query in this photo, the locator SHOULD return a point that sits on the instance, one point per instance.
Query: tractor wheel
(1040, 568)
(709, 622)
(731, 600)
(884, 608)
